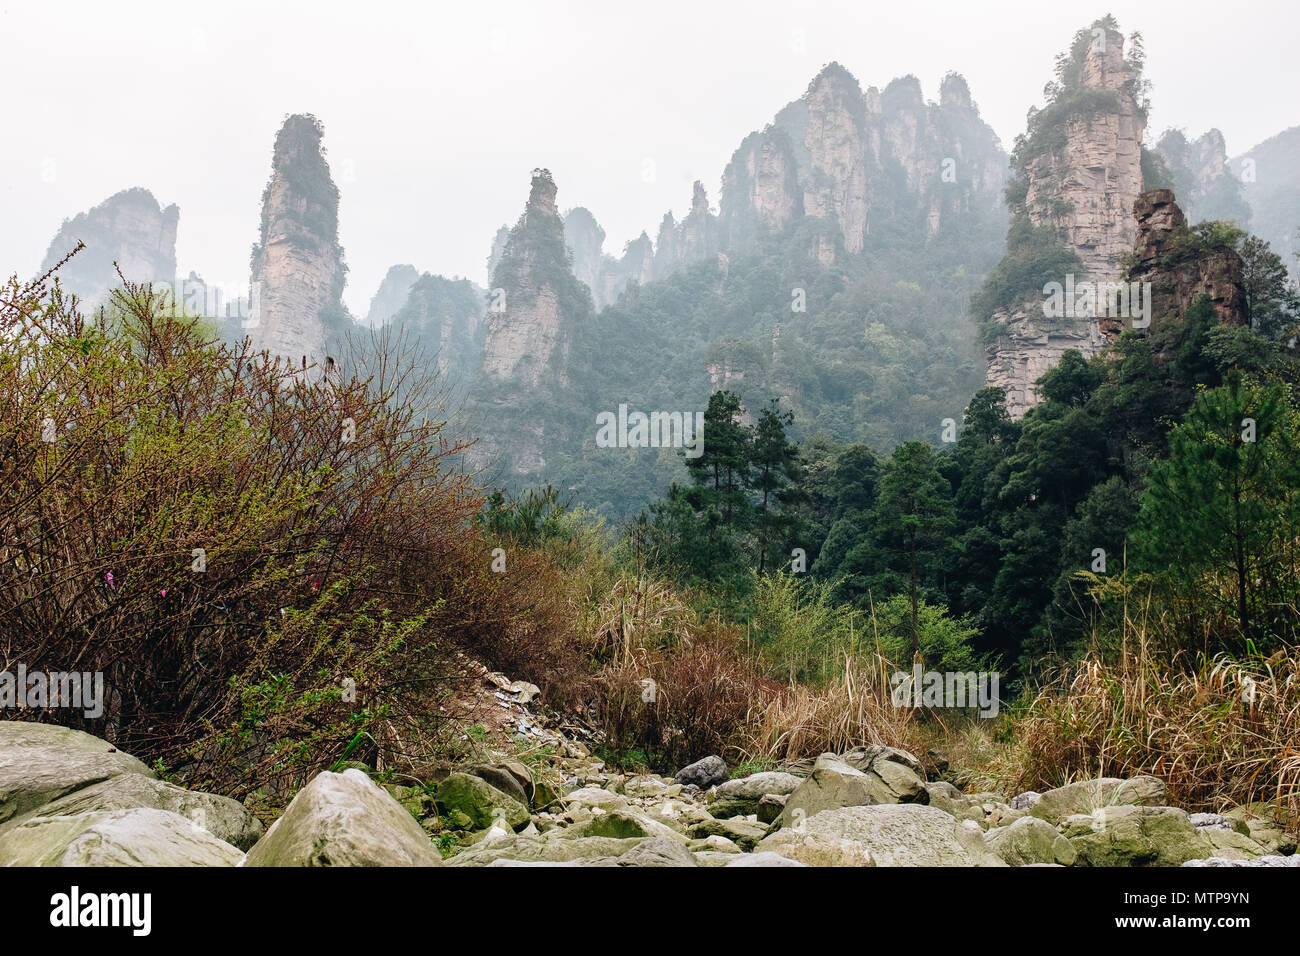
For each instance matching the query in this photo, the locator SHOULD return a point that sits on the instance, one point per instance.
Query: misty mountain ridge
(835, 275)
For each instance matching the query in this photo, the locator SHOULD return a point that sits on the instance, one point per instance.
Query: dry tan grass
(854, 709)
(1223, 733)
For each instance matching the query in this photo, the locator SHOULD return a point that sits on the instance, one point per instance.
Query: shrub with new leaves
(268, 565)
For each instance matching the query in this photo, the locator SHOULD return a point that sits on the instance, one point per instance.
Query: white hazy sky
(435, 113)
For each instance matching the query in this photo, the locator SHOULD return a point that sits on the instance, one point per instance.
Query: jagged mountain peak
(541, 196)
(833, 75)
(130, 228)
(903, 93)
(537, 300)
(1078, 175)
(392, 294)
(298, 271)
(954, 92)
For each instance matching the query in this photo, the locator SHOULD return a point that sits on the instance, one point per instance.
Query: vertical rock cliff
(498, 250)
(297, 265)
(692, 240)
(444, 319)
(530, 323)
(839, 155)
(1179, 268)
(1270, 182)
(131, 229)
(585, 241)
(760, 189)
(863, 161)
(391, 294)
(1084, 179)
(1199, 175)
(1077, 174)
(636, 266)
(841, 146)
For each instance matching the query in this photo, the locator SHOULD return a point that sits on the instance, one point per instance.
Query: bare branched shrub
(267, 564)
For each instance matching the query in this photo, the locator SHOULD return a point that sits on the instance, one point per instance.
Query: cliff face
(841, 148)
(444, 318)
(692, 240)
(1201, 178)
(1179, 270)
(129, 228)
(530, 324)
(585, 241)
(1169, 271)
(391, 294)
(1031, 345)
(761, 189)
(861, 159)
(498, 250)
(297, 265)
(839, 154)
(636, 266)
(1085, 189)
(1270, 182)
(1078, 173)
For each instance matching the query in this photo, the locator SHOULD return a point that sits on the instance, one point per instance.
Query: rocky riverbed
(71, 799)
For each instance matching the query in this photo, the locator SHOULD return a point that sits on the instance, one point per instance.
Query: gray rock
(225, 819)
(835, 783)
(480, 801)
(510, 777)
(945, 790)
(759, 785)
(595, 797)
(645, 786)
(949, 799)
(739, 831)
(866, 758)
(1212, 821)
(1030, 840)
(1139, 836)
(818, 850)
(741, 797)
(1258, 861)
(1260, 823)
(832, 785)
(713, 844)
(658, 851)
(763, 859)
(1026, 800)
(906, 834)
(627, 823)
(1085, 796)
(770, 807)
(545, 849)
(1232, 845)
(40, 763)
(590, 861)
(900, 772)
(344, 819)
(705, 773)
(141, 836)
